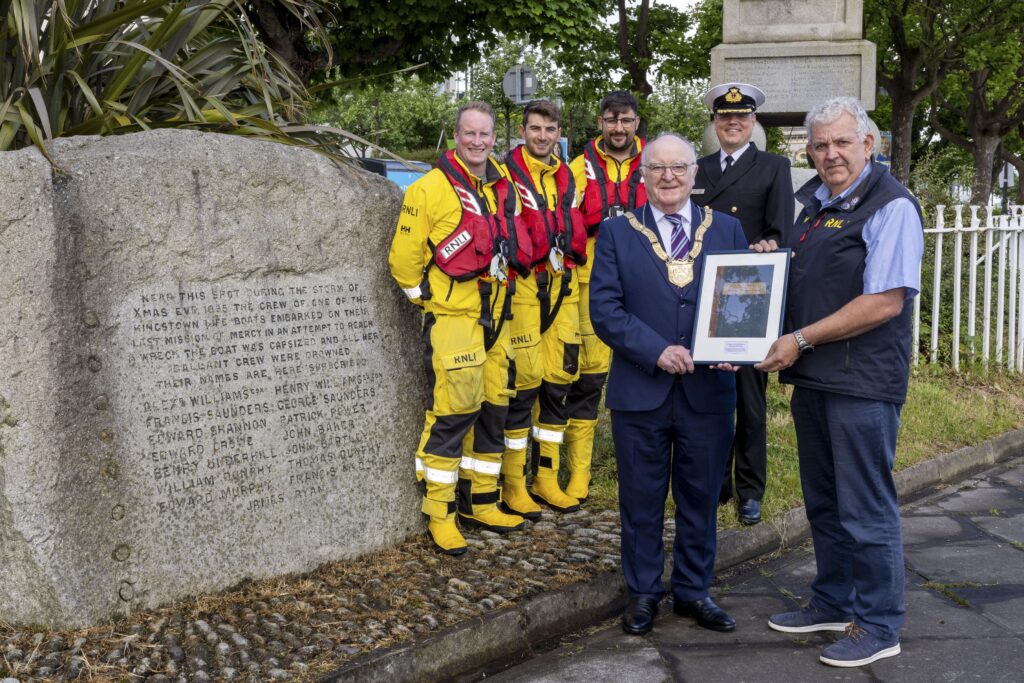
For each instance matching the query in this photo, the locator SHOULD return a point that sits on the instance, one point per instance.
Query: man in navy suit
(672, 421)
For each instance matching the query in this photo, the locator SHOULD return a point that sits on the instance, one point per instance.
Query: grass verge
(945, 410)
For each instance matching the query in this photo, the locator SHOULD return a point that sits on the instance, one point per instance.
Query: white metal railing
(1001, 240)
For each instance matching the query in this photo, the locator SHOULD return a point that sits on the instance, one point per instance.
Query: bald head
(668, 139)
(669, 167)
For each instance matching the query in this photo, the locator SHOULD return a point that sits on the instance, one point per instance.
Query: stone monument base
(797, 75)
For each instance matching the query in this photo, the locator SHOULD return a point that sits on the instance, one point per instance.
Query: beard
(611, 146)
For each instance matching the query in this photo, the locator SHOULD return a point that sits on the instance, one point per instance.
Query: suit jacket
(638, 313)
(758, 190)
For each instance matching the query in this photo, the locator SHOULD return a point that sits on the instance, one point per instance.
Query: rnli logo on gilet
(589, 169)
(468, 200)
(457, 243)
(527, 197)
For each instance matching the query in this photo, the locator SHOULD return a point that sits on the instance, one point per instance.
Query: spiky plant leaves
(105, 67)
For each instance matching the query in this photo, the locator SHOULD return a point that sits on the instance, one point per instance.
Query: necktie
(680, 243)
(728, 162)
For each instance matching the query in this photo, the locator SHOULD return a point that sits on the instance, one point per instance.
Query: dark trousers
(748, 459)
(671, 443)
(846, 448)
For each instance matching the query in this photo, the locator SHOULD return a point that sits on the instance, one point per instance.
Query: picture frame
(741, 301)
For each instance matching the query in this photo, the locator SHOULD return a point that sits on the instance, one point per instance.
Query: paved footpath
(964, 551)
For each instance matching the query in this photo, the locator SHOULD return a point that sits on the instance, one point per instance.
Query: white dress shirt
(722, 154)
(665, 226)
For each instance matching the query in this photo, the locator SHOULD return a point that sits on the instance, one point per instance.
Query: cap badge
(733, 96)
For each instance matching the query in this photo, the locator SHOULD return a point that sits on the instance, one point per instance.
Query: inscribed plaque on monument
(250, 395)
(804, 80)
(208, 374)
(796, 76)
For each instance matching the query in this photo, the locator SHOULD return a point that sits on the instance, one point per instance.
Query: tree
(937, 174)
(361, 38)
(655, 38)
(1012, 152)
(641, 40)
(678, 106)
(982, 103)
(582, 75)
(920, 42)
(634, 45)
(99, 68)
(402, 114)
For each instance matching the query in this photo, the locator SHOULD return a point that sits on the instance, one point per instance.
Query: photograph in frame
(740, 302)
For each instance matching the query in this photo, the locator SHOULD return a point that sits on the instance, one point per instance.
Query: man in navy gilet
(856, 257)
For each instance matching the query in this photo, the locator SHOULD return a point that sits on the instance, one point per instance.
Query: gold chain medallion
(680, 271)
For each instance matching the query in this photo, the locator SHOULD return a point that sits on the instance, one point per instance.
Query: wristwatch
(802, 343)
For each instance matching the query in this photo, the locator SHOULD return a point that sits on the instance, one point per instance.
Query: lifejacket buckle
(499, 267)
(557, 259)
(613, 211)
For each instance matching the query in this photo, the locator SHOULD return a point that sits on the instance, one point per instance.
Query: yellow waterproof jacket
(543, 176)
(431, 210)
(617, 171)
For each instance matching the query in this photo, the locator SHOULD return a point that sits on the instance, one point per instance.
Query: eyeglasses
(626, 121)
(675, 169)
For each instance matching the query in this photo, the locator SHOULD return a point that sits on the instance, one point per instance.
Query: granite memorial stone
(206, 373)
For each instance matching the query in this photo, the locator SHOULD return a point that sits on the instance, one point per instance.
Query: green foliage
(376, 37)
(677, 106)
(690, 55)
(582, 77)
(982, 103)
(398, 113)
(935, 173)
(78, 67)
(966, 55)
(487, 83)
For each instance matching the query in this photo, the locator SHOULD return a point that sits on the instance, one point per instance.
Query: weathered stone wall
(206, 373)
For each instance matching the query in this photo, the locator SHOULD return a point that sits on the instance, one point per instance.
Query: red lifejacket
(560, 227)
(480, 236)
(604, 198)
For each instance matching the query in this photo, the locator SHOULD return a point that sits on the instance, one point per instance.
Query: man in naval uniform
(754, 186)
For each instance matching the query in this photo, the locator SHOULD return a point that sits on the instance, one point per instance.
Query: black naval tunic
(758, 190)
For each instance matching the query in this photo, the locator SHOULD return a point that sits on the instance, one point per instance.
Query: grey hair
(666, 134)
(829, 111)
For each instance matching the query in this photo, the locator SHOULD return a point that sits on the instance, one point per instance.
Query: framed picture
(740, 303)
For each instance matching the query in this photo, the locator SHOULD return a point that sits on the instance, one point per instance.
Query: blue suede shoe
(806, 620)
(858, 648)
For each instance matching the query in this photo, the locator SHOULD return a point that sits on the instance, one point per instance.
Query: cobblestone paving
(299, 627)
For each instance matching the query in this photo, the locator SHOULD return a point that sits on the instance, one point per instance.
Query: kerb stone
(206, 373)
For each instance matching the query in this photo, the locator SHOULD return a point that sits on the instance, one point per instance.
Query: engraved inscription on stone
(250, 394)
(795, 12)
(804, 80)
